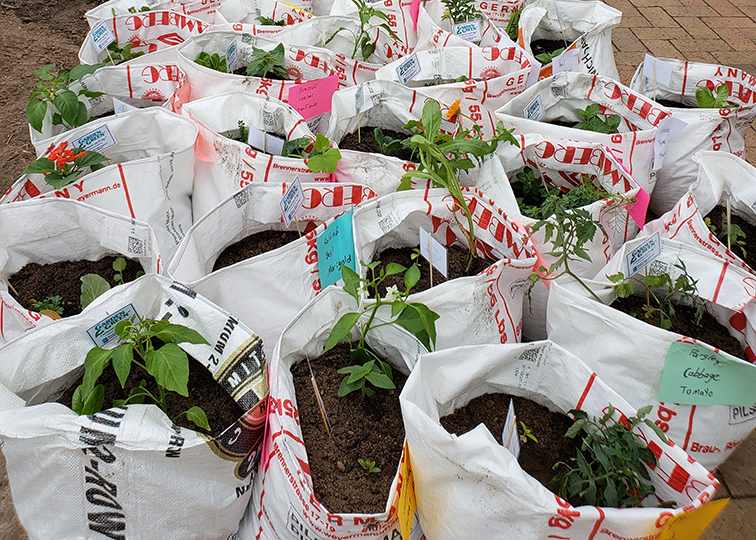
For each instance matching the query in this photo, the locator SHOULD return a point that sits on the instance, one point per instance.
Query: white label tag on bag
(96, 141)
(433, 251)
(534, 110)
(469, 30)
(232, 56)
(662, 73)
(668, 128)
(569, 60)
(264, 141)
(643, 255)
(101, 36)
(119, 107)
(104, 331)
(292, 201)
(509, 436)
(408, 69)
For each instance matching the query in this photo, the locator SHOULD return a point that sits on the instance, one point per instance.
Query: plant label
(534, 110)
(119, 107)
(232, 56)
(104, 331)
(696, 375)
(101, 36)
(668, 128)
(643, 255)
(662, 73)
(535, 72)
(559, 14)
(407, 503)
(433, 251)
(264, 141)
(335, 247)
(96, 141)
(692, 524)
(569, 60)
(509, 436)
(409, 69)
(359, 99)
(292, 201)
(469, 30)
(314, 97)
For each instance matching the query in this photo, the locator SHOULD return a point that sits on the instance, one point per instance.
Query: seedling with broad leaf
(212, 61)
(414, 317)
(737, 235)
(62, 165)
(526, 434)
(362, 40)
(168, 365)
(322, 158)
(368, 466)
(94, 285)
(268, 64)
(610, 467)
(54, 304)
(389, 145)
(707, 100)
(592, 120)
(122, 54)
(267, 21)
(545, 58)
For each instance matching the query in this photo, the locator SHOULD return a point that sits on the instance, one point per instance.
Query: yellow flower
(453, 110)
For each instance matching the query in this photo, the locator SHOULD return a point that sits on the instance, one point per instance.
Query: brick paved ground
(716, 32)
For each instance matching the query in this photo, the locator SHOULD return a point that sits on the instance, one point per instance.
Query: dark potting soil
(540, 46)
(675, 104)
(271, 76)
(254, 245)
(717, 220)
(37, 281)
(367, 142)
(204, 392)
(456, 266)
(361, 428)
(710, 331)
(536, 458)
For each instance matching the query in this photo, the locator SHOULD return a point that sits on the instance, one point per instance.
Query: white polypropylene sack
(81, 232)
(556, 97)
(457, 477)
(500, 11)
(495, 74)
(721, 130)
(148, 32)
(586, 26)
(200, 9)
(149, 179)
(246, 11)
(145, 85)
(246, 19)
(129, 471)
(265, 292)
(605, 338)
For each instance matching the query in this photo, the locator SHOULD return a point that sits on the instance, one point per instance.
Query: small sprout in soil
(737, 235)
(51, 303)
(683, 290)
(119, 265)
(414, 317)
(593, 122)
(707, 100)
(94, 285)
(369, 466)
(268, 64)
(526, 434)
(62, 165)
(267, 21)
(513, 26)
(459, 11)
(212, 61)
(389, 145)
(323, 158)
(610, 463)
(122, 54)
(242, 135)
(545, 58)
(168, 365)
(362, 40)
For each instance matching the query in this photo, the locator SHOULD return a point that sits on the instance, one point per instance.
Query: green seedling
(389, 145)
(369, 466)
(737, 235)
(94, 285)
(592, 120)
(459, 11)
(51, 303)
(707, 100)
(526, 434)
(242, 135)
(267, 21)
(268, 64)
(122, 54)
(545, 58)
(362, 40)
(212, 61)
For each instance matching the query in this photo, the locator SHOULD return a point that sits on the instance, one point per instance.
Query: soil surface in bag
(710, 331)
(367, 143)
(253, 245)
(540, 46)
(368, 428)
(718, 219)
(270, 76)
(456, 266)
(674, 104)
(536, 458)
(37, 282)
(204, 392)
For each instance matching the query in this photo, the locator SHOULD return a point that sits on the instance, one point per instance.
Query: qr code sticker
(534, 355)
(269, 119)
(559, 91)
(135, 246)
(241, 198)
(657, 268)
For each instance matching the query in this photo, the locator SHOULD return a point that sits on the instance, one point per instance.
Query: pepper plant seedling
(369, 466)
(123, 54)
(212, 61)
(362, 40)
(737, 235)
(268, 64)
(459, 11)
(62, 165)
(707, 100)
(592, 120)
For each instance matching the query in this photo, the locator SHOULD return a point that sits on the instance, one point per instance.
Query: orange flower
(61, 156)
(453, 110)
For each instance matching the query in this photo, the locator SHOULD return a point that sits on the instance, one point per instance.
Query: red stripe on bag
(295, 127)
(685, 79)
(470, 64)
(115, 29)
(586, 390)
(598, 522)
(267, 169)
(593, 85)
(126, 191)
(414, 97)
(690, 427)
(354, 73)
(721, 279)
(2, 310)
(128, 78)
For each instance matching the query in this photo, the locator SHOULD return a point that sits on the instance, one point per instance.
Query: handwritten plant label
(96, 141)
(314, 97)
(409, 69)
(433, 251)
(509, 436)
(407, 501)
(104, 331)
(336, 247)
(359, 99)
(668, 128)
(696, 375)
(469, 30)
(292, 201)
(643, 255)
(534, 110)
(569, 60)
(264, 141)
(101, 36)
(653, 68)
(120, 107)
(232, 56)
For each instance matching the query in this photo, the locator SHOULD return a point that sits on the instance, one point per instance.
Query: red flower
(61, 156)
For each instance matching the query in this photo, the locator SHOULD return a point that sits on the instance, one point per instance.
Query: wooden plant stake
(321, 405)
(111, 58)
(299, 231)
(729, 224)
(12, 288)
(511, 430)
(359, 134)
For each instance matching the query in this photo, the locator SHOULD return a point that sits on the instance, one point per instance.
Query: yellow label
(407, 502)
(295, 8)
(690, 525)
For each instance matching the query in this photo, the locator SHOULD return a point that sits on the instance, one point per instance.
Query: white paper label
(359, 99)
(662, 73)
(668, 128)
(534, 110)
(643, 255)
(408, 69)
(119, 107)
(96, 141)
(232, 56)
(101, 36)
(104, 331)
(264, 141)
(559, 13)
(433, 251)
(292, 201)
(469, 30)
(569, 60)
(509, 436)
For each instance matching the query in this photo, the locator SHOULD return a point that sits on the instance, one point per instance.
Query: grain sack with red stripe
(242, 18)
(199, 9)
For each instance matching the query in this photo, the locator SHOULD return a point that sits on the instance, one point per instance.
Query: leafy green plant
(267, 21)
(61, 165)
(122, 54)
(296, 147)
(51, 303)
(526, 434)
(119, 265)
(610, 467)
(707, 100)
(268, 64)
(94, 285)
(414, 317)
(661, 301)
(168, 365)
(369, 466)
(53, 90)
(362, 40)
(459, 11)
(242, 135)
(389, 145)
(130, 10)
(545, 58)
(737, 235)
(212, 61)
(323, 158)
(592, 120)
(442, 156)
(513, 26)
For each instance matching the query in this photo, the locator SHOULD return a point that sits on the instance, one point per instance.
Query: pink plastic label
(640, 207)
(314, 97)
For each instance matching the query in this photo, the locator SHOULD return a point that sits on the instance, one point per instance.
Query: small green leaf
(198, 417)
(122, 357)
(92, 286)
(90, 403)
(575, 428)
(411, 277)
(35, 113)
(342, 329)
(170, 367)
(96, 361)
(347, 388)
(394, 268)
(176, 333)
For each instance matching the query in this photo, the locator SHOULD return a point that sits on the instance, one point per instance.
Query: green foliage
(610, 469)
(442, 156)
(122, 54)
(131, 10)
(414, 317)
(526, 434)
(212, 61)
(707, 100)
(369, 466)
(51, 303)
(94, 285)
(267, 21)
(459, 11)
(268, 64)
(61, 166)
(737, 235)
(323, 158)
(545, 58)
(661, 301)
(362, 40)
(168, 365)
(389, 145)
(538, 202)
(513, 26)
(592, 121)
(296, 147)
(53, 90)
(119, 265)
(242, 135)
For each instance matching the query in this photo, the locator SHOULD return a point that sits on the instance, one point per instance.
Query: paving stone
(644, 34)
(739, 471)
(730, 22)
(735, 522)
(736, 39)
(625, 40)
(658, 17)
(697, 28)
(662, 48)
(691, 11)
(634, 22)
(701, 56)
(725, 8)
(709, 45)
